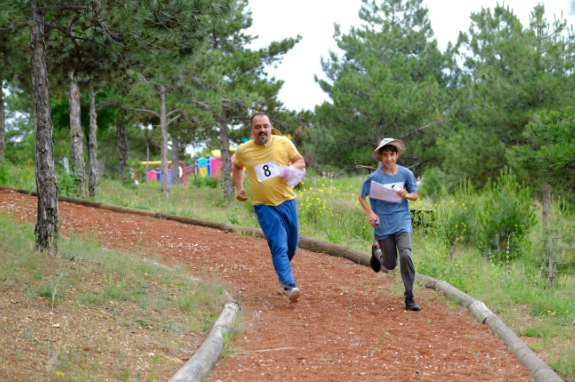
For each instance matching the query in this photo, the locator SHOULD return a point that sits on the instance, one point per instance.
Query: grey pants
(388, 258)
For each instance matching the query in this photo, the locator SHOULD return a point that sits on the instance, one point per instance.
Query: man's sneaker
(293, 294)
(410, 304)
(374, 261)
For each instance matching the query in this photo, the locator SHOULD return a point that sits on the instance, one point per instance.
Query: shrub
(433, 184)
(507, 213)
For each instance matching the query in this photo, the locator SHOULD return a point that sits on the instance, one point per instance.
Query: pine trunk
(226, 162)
(77, 136)
(2, 122)
(46, 230)
(547, 224)
(164, 149)
(123, 147)
(175, 160)
(93, 143)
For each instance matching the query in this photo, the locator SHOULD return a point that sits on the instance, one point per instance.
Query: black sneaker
(374, 261)
(410, 304)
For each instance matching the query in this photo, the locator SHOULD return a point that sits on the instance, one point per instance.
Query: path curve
(350, 323)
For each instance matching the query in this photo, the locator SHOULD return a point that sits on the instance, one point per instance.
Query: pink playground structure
(156, 176)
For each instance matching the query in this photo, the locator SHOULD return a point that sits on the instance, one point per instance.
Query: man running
(272, 198)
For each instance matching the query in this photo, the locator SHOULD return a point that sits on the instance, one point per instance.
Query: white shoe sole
(294, 295)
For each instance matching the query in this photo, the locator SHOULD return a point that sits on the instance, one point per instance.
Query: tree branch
(172, 112)
(142, 110)
(416, 130)
(63, 30)
(173, 120)
(67, 7)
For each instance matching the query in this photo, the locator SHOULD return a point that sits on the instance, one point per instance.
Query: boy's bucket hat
(389, 141)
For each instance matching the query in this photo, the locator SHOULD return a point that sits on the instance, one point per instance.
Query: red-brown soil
(350, 324)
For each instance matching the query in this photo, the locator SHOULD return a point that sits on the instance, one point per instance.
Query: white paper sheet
(381, 192)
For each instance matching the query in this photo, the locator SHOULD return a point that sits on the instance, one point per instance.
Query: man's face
(388, 157)
(261, 129)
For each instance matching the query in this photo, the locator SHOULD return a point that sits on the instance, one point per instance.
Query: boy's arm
(370, 214)
(413, 196)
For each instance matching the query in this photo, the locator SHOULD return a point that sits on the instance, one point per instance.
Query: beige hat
(389, 141)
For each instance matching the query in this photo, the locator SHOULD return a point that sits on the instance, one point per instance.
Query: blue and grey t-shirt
(393, 217)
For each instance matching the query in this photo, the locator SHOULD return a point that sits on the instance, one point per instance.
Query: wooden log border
(538, 369)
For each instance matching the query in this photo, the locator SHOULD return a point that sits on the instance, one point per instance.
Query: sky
(314, 21)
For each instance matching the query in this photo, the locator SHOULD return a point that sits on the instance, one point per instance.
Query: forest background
(460, 111)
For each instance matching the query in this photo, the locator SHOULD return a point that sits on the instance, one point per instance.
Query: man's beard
(263, 139)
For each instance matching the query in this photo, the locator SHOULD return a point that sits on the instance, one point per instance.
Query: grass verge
(92, 314)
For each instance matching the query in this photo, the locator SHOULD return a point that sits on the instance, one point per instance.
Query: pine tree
(511, 72)
(14, 57)
(549, 155)
(168, 25)
(388, 83)
(234, 82)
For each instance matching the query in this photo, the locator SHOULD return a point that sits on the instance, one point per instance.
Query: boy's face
(388, 157)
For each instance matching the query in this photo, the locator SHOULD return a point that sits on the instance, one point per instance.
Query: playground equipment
(154, 175)
(210, 166)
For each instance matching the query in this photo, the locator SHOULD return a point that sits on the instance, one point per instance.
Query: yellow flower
(59, 374)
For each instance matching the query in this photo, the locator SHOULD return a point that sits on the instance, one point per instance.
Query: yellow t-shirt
(263, 164)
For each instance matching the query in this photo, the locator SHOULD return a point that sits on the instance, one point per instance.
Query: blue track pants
(280, 227)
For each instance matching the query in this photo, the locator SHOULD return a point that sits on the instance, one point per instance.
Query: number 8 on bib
(267, 170)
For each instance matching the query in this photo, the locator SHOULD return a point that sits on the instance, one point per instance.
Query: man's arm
(298, 162)
(238, 177)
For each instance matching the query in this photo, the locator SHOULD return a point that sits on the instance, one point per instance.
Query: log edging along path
(538, 369)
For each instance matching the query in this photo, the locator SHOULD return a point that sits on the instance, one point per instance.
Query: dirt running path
(350, 324)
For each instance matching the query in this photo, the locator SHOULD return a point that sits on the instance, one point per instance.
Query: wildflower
(59, 374)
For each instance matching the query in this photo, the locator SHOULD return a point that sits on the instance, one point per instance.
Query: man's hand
(242, 195)
(402, 193)
(373, 219)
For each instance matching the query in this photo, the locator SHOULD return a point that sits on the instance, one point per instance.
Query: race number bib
(267, 170)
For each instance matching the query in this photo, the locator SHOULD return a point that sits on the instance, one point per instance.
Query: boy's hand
(373, 219)
(402, 193)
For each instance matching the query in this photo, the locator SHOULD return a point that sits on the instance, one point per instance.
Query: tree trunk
(77, 136)
(548, 232)
(2, 122)
(46, 230)
(164, 148)
(93, 144)
(226, 162)
(175, 160)
(147, 160)
(123, 148)
(101, 166)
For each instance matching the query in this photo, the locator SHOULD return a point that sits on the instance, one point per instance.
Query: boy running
(391, 220)
(272, 198)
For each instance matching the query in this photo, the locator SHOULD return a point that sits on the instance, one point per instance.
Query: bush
(433, 183)
(456, 218)
(507, 213)
(4, 169)
(207, 181)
